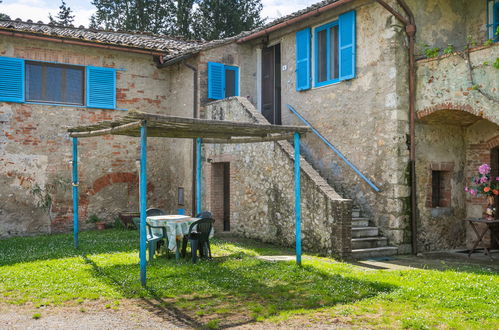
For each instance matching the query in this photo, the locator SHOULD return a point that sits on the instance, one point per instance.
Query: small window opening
(181, 200)
(440, 189)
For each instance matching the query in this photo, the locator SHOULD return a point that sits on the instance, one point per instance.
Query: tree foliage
(4, 16)
(133, 15)
(201, 19)
(64, 17)
(217, 19)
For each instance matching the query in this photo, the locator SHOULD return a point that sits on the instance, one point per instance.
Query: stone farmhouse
(404, 96)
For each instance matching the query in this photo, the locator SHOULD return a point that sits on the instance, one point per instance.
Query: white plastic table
(176, 226)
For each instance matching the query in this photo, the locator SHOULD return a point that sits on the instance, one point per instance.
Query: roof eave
(294, 20)
(79, 42)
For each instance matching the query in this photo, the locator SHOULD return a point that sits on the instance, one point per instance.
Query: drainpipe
(410, 30)
(195, 114)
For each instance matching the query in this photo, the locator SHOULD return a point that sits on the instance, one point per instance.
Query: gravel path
(130, 314)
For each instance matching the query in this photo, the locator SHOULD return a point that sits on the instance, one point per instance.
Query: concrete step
(374, 252)
(358, 232)
(355, 212)
(360, 222)
(369, 242)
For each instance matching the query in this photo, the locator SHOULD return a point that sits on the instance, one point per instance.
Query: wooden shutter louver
(347, 45)
(11, 79)
(216, 81)
(101, 87)
(303, 59)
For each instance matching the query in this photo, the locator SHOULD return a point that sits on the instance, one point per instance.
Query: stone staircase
(366, 240)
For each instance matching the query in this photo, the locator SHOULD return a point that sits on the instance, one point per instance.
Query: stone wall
(441, 23)
(457, 125)
(365, 118)
(262, 190)
(35, 149)
(445, 83)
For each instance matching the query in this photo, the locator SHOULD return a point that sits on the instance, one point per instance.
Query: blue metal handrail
(352, 166)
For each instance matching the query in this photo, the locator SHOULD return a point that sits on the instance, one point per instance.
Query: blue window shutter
(216, 81)
(11, 79)
(496, 21)
(303, 59)
(236, 87)
(101, 87)
(347, 45)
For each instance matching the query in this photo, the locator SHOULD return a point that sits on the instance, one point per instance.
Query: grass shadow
(235, 289)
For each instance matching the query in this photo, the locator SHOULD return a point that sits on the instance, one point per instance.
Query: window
(333, 53)
(492, 19)
(326, 54)
(440, 189)
(223, 81)
(53, 83)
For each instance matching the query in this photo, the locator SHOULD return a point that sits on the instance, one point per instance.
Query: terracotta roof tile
(170, 45)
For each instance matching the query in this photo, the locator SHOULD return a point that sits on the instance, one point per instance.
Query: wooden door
(271, 84)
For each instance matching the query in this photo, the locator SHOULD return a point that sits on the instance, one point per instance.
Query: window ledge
(437, 212)
(70, 105)
(329, 84)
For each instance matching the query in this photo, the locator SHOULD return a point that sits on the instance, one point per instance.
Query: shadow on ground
(233, 290)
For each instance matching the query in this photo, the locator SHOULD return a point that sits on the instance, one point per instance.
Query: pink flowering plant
(483, 183)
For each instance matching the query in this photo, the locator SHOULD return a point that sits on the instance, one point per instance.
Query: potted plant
(484, 184)
(99, 223)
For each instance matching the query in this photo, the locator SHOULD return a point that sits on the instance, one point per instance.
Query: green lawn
(236, 287)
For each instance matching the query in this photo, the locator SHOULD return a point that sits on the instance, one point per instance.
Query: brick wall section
(262, 185)
(445, 193)
(35, 149)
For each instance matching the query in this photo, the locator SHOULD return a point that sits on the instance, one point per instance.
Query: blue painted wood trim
(75, 192)
(303, 59)
(236, 76)
(143, 201)
(495, 21)
(198, 175)
(72, 105)
(330, 80)
(352, 166)
(297, 198)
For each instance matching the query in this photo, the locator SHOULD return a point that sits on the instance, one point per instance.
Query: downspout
(410, 30)
(195, 114)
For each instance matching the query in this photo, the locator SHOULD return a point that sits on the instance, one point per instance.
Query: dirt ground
(144, 313)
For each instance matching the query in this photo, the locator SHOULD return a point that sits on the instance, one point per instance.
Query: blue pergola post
(297, 198)
(143, 201)
(198, 176)
(75, 192)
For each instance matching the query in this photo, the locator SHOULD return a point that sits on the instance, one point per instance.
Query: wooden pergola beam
(180, 127)
(105, 131)
(250, 139)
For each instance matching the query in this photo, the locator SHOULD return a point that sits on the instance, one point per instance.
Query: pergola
(144, 125)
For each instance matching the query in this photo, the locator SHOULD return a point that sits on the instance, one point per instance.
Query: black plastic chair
(205, 214)
(153, 211)
(199, 237)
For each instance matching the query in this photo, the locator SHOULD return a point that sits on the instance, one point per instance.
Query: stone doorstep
(369, 242)
(365, 232)
(374, 252)
(360, 222)
(355, 212)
